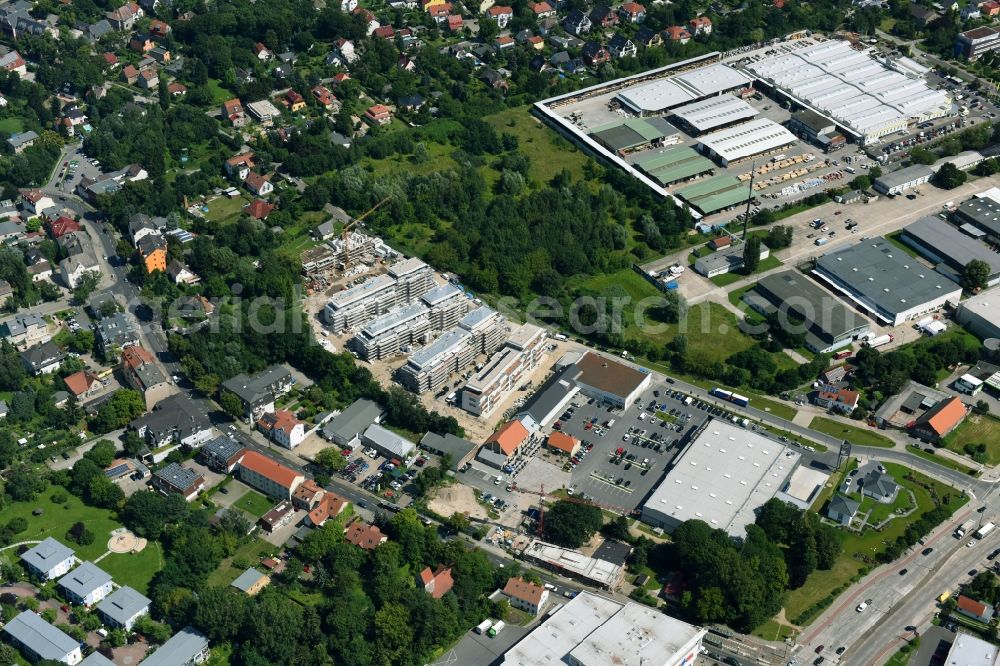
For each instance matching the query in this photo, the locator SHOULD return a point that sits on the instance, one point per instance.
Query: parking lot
(627, 453)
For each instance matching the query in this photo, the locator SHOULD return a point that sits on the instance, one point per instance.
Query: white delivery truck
(962, 529)
(984, 530)
(483, 626)
(496, 628)
(688, 400)
(878, 341)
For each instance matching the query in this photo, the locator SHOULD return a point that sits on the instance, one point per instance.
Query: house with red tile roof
(159, 29)
(840, 400)
(437, 583)
(329, 506)
(259, 209)
(365, 536)
(385, 32)
(378, 114)
(701, 25)
(325, 98)
(991, 8)
(934, 424)
(502, 14)
(455, 22)
(504, 444)
(525, 596)
(258, 184)
(562, 442)
(677, 33)
(283, 428)
(542, 9)
(262, 52)
(177, 89)
(294, 101)
(268, 475)
(110, 59)
(232, 110)
(977, 610)
(130, 74)
(83, 384)
(62, 225)
(505, 42)
(632, 12)
(240, 166)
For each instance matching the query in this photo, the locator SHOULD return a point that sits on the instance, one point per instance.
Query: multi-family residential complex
(404, 283)
(258, 392)
(505, 371)
(25, 331)
(446, 305)
(481, 331)
(390, 333)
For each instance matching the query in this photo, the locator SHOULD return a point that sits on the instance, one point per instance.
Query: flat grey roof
(722, 476)
(246, 580)
(406, 266)
(983, 212)
(397, 445)
(177, 476)
(40, 637)
(985, 305)
(123, 604)
(885, 275)
(553, 392)
(179, 650)
(592, 630)
(392, 319)
(47, 554)
(84, 579)
(440, 293)
(473, 319)
(456, 447)
(715, 112)
(904, 176)
(805, 299)
(348, 297)
(950, 244)
(353, 420)
(96, 659)
(447, 343)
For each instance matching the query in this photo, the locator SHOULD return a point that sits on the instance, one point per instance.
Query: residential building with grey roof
(87, 584)
(188, 647)
(123, 607)
(49, 559)
(37, 639)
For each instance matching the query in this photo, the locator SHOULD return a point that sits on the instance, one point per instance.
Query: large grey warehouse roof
(812, 303)
(40, 637)
(948, 243)
(751, 138)
(389, 441)
(904, 176)
(884, 274)
(722, 476)
(982, 212)
(715, 112)
(353, 420)
(674, 91)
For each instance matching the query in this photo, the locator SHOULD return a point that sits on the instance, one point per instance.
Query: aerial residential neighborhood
(441, 333)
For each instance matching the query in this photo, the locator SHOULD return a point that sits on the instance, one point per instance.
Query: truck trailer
(496, 629)
(483, 626)
(878, 341)
(984, 530)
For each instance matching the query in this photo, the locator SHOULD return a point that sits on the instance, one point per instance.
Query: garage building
(982, 213)
(899, 181)
(745, 141)
(623, 136)
(883, 280)
(723, 475)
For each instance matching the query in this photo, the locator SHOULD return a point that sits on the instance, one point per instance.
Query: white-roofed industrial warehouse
(714, 112)
(658, 96)
(746, 140)
(865, 97)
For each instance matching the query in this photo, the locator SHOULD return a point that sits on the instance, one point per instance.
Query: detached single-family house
(232, 110)
(632, 12)
(842, 509)
(282, 428)
(622, 47)
(42, 359)
(436, 583)
(22, 141)
(701, 25)
(251, 582)
(844, 401)
(222, 454)
(504, 444)
(177, 480)
(365, 536)
(577, 23)
(977, 610)
(260, 185)
(880, 487)
(378, 114)
(525, 596)
(83, 384)
(502, 14)
(239, 166)
(677, 33)
(39, 640)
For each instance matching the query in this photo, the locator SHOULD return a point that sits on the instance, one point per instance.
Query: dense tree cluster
(572, 523)
(885, 374)
(807, 543)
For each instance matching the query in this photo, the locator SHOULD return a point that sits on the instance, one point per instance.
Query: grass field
(940, 460)
(56, 519)
(11, 125)
(977, 429)
(866, 545)
(549, 153)
(219, 94)
(772, 631)
(856, 435)
(254, 503)
(135, 569)
(249, 554)
(222, 209)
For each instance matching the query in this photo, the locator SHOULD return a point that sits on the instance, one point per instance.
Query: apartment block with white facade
(505, 371)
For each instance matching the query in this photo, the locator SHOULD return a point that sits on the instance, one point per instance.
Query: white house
(86, 585)
(123, 607)
(283, 428)
(49, 559)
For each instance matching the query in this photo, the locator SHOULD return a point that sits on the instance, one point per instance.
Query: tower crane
(345, 234)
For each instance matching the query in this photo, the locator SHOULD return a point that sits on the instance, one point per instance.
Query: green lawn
(772, 631)
(219, 94)
(877, 511)
(249, 554)
(549, 152)
(977, 429)
(222, 209)
(854, 434)
(779, 409)
(727, 279)
(55, 520)
(736, 296)
(940, 460)
(254, 503)
(135, 569)
(11, 125)
(821, 583)
(669, 418)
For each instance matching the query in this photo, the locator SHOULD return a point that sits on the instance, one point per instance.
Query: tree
(102, 453)
(751, 254)
(949, 176)
(88, 283)
(975, 275)
(330, 459)
(79, 534)
(8, 655)
(921, 155)
(231, 403)
(571, 524)
(124, 406)
(220, 613)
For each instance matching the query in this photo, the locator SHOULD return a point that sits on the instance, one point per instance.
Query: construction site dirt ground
(457, 498)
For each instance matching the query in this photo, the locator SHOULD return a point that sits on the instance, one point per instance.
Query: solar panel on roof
(117, 470)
